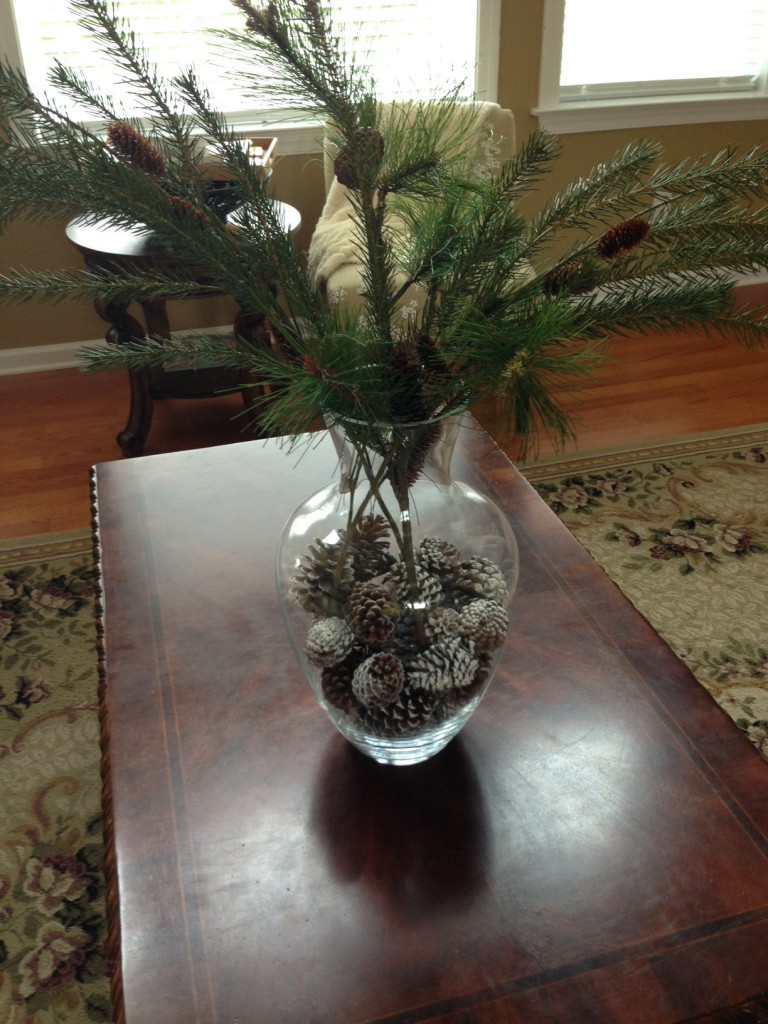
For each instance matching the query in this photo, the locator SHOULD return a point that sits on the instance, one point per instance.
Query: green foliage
(504, 314)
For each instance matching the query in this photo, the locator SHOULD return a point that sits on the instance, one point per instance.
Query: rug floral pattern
(52, 926)
(683, 530)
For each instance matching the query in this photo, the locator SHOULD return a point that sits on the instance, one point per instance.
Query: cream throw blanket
(334, 250)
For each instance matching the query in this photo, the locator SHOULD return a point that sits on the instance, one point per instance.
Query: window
(608, 65)
(393, 37)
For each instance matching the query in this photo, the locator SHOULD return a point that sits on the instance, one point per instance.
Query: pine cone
(620, 239)
(435, 366)
(424, 440)
(485, 623)
(344, 169)
(187, 209)
(329, 641)
(377, 682)
(407, 401)
(371, 612)
(429, 589)
(260, 21)
(477, 577)
(412, 710)
(455, 700)
(135, 149)
(362, 155)
(436, 555)
(433, 624)
(370, 547)
(446, 665)
(336, 684)
(574, 277)
(320, 585)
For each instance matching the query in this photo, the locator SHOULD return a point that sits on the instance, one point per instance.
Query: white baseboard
(41, 357)
(60, 357)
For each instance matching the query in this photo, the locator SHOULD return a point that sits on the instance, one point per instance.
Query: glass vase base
(405, 750)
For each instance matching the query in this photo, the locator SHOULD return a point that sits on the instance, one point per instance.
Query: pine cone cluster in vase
(399, 647)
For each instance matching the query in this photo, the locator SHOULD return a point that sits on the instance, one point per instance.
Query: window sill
(607, 115)
(294, 138)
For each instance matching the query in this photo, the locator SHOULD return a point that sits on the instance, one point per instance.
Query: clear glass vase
(395, 583)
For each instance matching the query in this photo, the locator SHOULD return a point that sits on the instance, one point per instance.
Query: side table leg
(123, 329)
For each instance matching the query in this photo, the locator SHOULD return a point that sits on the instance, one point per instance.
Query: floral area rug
(682, 528)
(52, 923)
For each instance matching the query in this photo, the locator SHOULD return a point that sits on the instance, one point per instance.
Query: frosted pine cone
(436, 555)
(485, 623)
(321, 585)
(329, 641)
(477, 577)
(433, 624)
(377, 682)
(371, 612)
(429, 589)
(412, 710)
(447, 665)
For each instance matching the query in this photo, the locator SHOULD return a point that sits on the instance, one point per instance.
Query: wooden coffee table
(592, 848)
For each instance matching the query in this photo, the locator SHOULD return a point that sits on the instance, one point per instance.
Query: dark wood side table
(591, 849)
(103, 246)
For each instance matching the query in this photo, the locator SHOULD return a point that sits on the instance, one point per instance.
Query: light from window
(411, 46)
(682, 45)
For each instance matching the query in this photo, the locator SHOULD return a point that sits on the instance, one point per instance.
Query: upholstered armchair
(333, 259)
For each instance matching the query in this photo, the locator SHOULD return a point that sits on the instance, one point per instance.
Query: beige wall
(299, 181)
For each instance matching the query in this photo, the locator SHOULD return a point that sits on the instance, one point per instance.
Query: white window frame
(300, 135)
(627, 112)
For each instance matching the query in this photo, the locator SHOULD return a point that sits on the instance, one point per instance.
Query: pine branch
(657, 303)
(78, 286)
(120, 43)
(605, 193)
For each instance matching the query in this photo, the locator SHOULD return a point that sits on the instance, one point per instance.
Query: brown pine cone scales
(370, 547)
(336, 685)
(620, 239)
(371, 612)
(412, 710)
(135, 149)
(360, 159)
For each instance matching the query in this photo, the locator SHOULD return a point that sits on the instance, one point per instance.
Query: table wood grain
(592, 848)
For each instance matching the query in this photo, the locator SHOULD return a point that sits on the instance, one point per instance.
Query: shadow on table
(415, 836)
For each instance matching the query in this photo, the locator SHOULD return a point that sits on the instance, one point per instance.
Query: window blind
(662, 47)
(411, 46)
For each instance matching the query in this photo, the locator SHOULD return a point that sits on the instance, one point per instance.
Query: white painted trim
(41, 357)
(605, 115)
(488, 46)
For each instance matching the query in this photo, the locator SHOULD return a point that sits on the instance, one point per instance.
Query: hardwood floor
(55, 425)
